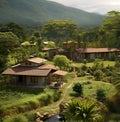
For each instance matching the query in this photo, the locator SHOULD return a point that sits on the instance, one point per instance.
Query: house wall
(33, 80)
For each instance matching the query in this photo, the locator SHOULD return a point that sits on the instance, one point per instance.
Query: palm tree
(116, 81)
(83, 111)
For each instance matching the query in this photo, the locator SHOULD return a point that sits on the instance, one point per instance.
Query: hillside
(40, 11)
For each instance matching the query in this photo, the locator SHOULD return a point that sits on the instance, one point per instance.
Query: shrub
(22, 108)
(56, 96)
(85, 61)
(84, 68)
(101, 96)
(33, 103)
(78, 89)
(114, 103)
(98, 74)
(18, 118)
(44, 99)
(2, 111)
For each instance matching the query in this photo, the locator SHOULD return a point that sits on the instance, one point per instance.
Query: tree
(59, 30)
(18, 30)
(8, 41)
(81, 110)
(78, 89)
(111, 26)
(114, 101)
(62, 62)
(3, 62)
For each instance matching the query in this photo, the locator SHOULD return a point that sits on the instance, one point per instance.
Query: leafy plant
(78, 89)
(79, 110)
(101, 96)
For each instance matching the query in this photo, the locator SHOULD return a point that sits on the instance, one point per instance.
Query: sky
(95, 6)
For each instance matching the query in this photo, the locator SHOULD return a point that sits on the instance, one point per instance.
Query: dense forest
(14, 38)
(41, 11)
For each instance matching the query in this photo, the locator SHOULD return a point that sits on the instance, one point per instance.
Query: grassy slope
(105, 63)
(40, 11)
(89, 90)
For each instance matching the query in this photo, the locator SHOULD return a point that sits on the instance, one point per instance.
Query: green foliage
(111, 27)
(59, 29)
(62, 62)
(49, 44)
(3, 62)
(18, 30)
(8, 41)
(40, 11)
(17, 118)
(83, 111)
(78, 88)
(56, 96)
(98, 74)
(116, 80)
(101, 95)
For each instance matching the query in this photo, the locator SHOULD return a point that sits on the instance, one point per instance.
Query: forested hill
(41, 11)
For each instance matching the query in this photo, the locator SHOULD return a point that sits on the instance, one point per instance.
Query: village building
(100, 53)
(34, 72)
(79, 52)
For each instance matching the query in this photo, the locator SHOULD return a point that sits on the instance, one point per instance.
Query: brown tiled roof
(60, 72)
(48, 66)
(21, 70)
(36, 60)
(96, 50)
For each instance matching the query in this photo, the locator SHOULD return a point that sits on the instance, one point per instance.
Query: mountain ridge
(41, 11)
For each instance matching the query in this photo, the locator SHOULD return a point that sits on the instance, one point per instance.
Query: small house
(32, 72)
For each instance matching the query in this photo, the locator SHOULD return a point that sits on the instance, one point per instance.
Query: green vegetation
(62, 62)
(78, 89)
(41, 11)
(61, 30)
(90, 64)
(81, 110)
(17, 118)
(97, 79)
(15, 101)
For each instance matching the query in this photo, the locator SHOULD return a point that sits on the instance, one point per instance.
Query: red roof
(96, 50)
(30, 71)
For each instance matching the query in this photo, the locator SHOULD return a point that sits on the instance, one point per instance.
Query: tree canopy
(62, 62)
(17, 29)
(8, 41)
(111, 26)
(59, 30)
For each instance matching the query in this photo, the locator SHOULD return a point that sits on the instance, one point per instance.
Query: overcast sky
(97, 6)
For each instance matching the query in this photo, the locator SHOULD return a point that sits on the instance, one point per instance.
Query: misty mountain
(41, 11)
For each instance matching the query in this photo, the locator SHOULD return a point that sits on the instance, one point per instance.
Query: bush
(56, 96)
(101, 96)
(78, 89)
(98, 75)
(34, 104)
(44, 99)
(21, 108)
(2, 111)
(18, 118)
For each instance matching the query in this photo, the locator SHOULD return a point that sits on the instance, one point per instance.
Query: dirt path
(54, 107)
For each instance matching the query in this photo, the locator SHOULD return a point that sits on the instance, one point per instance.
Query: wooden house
(32, 73)
(93, 53)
